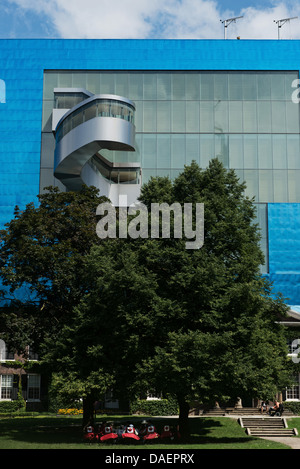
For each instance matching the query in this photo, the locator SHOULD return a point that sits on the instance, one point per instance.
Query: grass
(294, 423)
(52, 432)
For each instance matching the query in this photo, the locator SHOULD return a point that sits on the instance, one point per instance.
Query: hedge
(10, 406)
(154, 407)
(292, 406)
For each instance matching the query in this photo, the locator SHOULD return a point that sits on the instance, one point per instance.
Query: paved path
(294, 443)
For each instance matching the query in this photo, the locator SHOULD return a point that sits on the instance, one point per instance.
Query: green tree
(224, 340)
(197, 324)
(41, 256)
(140, 315)
(103, 343)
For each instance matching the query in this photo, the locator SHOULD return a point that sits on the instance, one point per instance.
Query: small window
(155, 396)
(6, 386)
(293, 393)
(33, 387)
(31, 354)
(5, 354)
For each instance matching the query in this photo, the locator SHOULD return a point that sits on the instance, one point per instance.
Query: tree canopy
(149, 314)
(41, 253)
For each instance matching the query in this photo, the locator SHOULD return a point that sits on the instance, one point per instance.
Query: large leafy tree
(225, 341)
(199, 324)
(148, 314)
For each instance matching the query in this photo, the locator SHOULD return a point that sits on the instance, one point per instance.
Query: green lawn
(51, 432)
(294, 423)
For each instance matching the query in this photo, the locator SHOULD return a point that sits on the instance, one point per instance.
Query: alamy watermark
(296, 92)
(163, 221)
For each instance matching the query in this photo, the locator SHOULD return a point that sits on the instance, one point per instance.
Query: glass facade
(238, 108)
(247, 119)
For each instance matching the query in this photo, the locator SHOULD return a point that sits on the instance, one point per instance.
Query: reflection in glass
(251, 179)
(278, 117)
(250, 116)
(280, 186)
(294, 186)
(178, 117)
(163, 151)
(192, 116)
(264, 116)
(149, 122)
(293, 151)
(266, 191)
(264, 148)
(245, 118)
(235, 116)
(164, 116)
(249, 86)
(235, 86)
(207, 149)
(177, 150)
(221, 116)
(279, 151)
(250, 152)
(148, 154)
(192, 148)
(236, 159)
(206, 116)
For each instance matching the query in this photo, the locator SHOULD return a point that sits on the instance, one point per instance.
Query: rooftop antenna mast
(280, 23)
(228, 22)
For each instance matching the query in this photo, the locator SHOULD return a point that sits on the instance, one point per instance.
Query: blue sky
(237, 5)
(147, 19)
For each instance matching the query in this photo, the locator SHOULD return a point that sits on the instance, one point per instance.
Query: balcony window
(95, 108)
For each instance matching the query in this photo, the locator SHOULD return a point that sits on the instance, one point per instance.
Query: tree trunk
(88, 410)
(184, 427)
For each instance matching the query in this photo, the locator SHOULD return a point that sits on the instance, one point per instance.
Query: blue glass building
(194, 99)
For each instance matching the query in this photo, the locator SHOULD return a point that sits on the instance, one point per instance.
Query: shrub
(293, 407)
(9, 406)
(20, 400)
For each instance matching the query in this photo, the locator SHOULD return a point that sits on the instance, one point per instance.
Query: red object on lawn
(130, 433)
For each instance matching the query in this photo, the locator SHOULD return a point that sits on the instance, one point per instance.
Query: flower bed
(69, 411)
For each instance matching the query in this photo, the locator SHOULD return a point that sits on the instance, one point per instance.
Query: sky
(148, 19)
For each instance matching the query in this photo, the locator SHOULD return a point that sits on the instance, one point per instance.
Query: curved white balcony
(97, 123)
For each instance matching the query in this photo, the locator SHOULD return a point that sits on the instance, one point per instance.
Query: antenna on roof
(228, 22)
(280, 23)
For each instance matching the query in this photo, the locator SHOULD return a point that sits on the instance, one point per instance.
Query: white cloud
(104, 18)
(193, 19)
(259, 24)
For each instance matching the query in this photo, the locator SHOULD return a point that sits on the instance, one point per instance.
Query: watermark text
(163, 221)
